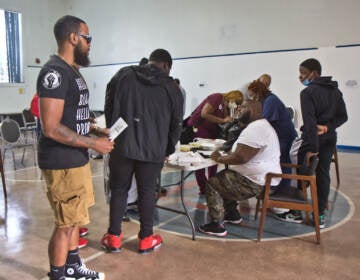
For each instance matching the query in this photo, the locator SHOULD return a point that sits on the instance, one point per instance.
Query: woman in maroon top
(206, 118)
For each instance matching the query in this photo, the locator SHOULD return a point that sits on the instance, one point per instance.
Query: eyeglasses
(88, 38)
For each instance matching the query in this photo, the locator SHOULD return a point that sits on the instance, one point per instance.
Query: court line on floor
(10, 172)
(349, 215)
(100, 253)
(340, 223)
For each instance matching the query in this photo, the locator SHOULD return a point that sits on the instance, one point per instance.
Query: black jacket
(152, 105)
(321, 103)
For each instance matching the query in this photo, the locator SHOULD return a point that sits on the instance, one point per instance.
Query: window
(10, 47)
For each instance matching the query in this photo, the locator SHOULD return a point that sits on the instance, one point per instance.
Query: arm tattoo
(71, 138)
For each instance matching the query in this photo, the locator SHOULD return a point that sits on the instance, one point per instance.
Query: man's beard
(81, 58)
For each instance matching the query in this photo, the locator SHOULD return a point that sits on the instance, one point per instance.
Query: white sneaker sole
(236, 222)
(220, 234)
(148, 251)
(101, 277)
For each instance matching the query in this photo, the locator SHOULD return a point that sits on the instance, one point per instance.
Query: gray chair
(12, 139)
(29, 119)
(3, 177)
(30, 124)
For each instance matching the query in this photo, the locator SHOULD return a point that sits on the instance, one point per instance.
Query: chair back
(18, 117)
(10, 131)
(28, 118)
(292, 197)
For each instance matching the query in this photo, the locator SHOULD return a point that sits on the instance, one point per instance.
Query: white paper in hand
(117, 128)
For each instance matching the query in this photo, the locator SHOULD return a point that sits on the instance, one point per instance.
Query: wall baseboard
(348, 149)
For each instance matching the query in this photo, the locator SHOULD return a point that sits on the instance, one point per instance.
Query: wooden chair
(3, 177)
(292, 198)
(335, 160)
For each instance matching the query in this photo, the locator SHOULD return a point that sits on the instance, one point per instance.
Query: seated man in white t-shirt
(255, 153)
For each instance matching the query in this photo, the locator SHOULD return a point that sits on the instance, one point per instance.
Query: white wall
(38, 18)
(222, 74)
(125, 31)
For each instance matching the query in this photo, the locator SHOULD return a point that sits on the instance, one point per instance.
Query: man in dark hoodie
(323, 110)
(151, 104)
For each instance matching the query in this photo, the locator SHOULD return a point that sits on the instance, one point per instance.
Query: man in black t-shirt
(63, 157)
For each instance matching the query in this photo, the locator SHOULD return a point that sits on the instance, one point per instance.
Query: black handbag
(187, 133)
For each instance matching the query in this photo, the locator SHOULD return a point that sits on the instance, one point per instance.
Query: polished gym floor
(287, 251)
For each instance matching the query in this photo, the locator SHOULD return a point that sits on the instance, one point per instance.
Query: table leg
(182, 181)
(185, 212)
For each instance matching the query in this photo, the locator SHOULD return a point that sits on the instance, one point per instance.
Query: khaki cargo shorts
(70, 193)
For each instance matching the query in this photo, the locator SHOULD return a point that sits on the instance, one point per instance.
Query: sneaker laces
(85, 270)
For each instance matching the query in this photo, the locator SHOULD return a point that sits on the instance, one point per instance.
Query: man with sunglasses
(63, 146)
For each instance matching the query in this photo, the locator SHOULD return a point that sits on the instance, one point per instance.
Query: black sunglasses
(88, 38)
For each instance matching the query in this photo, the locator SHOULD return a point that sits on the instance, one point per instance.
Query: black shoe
(292, 216)
(233, 217)
(213, 228)
(80, 271)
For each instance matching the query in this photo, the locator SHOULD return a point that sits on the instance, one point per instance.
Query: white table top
(175, 163)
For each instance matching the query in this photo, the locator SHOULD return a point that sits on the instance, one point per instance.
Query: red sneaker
(83, 231)
(111, 243)
(150, 243)
(82, 242)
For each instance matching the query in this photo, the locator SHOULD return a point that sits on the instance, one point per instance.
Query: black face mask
(81, 58)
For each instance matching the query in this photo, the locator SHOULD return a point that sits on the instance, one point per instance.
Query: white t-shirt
(260, 134)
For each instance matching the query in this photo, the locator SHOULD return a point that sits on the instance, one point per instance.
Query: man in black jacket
(151, 104)
(323, 110)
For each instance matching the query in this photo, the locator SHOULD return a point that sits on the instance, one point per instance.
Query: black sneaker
(80, 271)
(233, 217)
(291, 216)
(213, 228)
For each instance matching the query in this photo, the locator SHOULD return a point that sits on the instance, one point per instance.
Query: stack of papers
(186, 158)
(117, 128)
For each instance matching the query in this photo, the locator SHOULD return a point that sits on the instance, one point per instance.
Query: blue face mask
(306, 82)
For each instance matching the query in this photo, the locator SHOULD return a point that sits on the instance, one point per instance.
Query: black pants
(146, 175)
(326, 151)
(285, 145)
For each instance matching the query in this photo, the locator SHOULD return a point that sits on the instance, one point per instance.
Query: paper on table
(117, 128)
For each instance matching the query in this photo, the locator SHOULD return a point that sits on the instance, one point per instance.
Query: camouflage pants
(225, 189)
